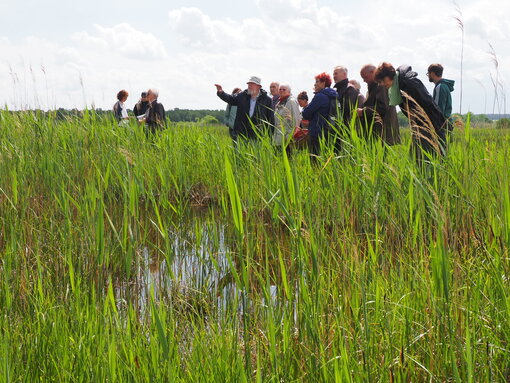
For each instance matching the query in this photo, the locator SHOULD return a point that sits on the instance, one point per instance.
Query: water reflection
(195, 277)
(196, 272)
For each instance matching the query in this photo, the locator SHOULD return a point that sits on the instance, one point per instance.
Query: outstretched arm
(232, 100)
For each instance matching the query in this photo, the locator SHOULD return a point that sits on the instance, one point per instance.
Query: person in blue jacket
(317, 111)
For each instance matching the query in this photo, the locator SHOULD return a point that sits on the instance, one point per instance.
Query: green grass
(178, 258)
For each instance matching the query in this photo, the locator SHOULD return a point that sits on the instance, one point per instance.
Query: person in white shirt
(119, 109)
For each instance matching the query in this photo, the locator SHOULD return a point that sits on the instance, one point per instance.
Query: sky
(76, 54)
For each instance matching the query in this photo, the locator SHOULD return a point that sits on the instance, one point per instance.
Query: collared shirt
(275, 100)
(123, 110)
(253, 101)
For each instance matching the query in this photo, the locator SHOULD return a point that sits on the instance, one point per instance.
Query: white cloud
(47, 74)
(192, 26)
(289, 25)
(126, 40)
(286, 40)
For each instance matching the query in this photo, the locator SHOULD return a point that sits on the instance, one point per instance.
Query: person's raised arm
(232, 100)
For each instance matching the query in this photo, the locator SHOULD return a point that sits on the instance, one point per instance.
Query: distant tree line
(476, 120)
(210, 116)
(190, 115)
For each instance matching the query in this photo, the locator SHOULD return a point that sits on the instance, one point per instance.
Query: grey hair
(342, 68)
(355, 84)
(286, 86)
(368, 67)
(154, 91)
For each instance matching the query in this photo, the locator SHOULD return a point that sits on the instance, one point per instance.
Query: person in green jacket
(442, 91)
(230, 113)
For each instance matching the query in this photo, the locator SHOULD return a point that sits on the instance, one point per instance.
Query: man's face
(253, 89)
(339, 75)
(273, 88)
(432, 77)
(319, 85)
(368, 75)
(150, 96)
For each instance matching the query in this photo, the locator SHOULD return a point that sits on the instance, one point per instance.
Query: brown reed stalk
(419, 122)
(495, 79)
(460, 23)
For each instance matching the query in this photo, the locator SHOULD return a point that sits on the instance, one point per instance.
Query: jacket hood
(407, 72)
(330, 92)
(448, 83)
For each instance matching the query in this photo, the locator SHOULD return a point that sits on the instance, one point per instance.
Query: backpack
(334, 115)
(334, 109)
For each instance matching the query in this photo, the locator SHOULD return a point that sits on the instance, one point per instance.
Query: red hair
(324, 77)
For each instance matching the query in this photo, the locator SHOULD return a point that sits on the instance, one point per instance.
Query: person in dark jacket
(442, 91)
(317, 111)
(302, 100)
(428, 125)
(255, 114)
(361, 97)
(347, 94)
(119, 108)
(155, 115)
(378, 118)
(141, 106)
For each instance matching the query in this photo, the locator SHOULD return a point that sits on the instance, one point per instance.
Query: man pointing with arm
(255, 115)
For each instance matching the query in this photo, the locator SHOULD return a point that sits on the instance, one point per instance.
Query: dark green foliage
(503, 123)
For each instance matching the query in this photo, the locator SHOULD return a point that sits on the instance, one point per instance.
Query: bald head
(367, 73)
(339, 73)
(274, 88)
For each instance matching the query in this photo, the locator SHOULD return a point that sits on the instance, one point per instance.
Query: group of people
(147, 111)
(334, 111)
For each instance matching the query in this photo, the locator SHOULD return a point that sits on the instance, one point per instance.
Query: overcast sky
(58, 53)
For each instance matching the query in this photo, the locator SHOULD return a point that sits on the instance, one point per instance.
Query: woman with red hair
(317, 111)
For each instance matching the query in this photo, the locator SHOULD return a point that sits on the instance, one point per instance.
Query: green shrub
(503, 123)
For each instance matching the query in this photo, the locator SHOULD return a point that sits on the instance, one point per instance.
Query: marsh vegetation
(178, 258)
